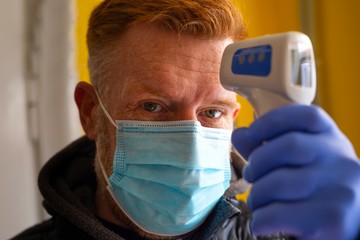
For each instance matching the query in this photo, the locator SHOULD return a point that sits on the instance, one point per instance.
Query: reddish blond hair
(212, 19)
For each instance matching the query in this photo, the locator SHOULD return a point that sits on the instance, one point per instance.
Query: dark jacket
(68, 183)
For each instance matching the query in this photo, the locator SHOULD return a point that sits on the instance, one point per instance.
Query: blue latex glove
(305, 175)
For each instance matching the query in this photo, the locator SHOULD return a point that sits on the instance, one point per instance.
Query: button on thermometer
(271, 71)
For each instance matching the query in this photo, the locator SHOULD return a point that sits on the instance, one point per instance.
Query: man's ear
(86, 100)
(236, 111)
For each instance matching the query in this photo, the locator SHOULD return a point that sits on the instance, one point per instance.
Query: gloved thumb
(244, 143)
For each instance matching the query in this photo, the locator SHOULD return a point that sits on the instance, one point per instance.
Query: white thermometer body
(271, 71)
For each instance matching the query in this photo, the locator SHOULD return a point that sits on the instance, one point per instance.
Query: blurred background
(43, 55)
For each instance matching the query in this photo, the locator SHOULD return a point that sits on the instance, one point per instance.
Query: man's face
(154, 75)
(159, 76)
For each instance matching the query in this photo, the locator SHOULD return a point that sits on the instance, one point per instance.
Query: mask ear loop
(97, 149)
(103, 169)
(105, 111)
(109, 187)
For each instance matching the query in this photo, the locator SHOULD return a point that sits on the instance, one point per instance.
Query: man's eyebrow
(227, 103)
(153, 91)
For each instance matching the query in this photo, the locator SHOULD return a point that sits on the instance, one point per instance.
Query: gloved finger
(331, 211)
(283, 185)
(277, 122)
(297, 219)
(292, 166)
(243, 143)
(310, 119)
(321, 217)
(297, 149)
(292, 149)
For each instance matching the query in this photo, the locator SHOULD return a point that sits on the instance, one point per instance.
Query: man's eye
(213, 113)
(151, 107)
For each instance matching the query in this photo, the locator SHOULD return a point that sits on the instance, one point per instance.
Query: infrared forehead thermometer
(271, 71)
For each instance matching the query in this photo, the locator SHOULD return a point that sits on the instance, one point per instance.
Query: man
(158, 125)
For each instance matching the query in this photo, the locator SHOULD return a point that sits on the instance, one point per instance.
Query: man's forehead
(143, 52)
(147, 42)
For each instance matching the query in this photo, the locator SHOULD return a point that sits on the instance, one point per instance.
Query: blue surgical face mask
(168, 176)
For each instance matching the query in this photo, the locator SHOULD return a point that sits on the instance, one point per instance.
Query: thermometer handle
(263, 100)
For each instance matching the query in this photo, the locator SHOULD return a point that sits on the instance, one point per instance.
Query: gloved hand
(305, 175)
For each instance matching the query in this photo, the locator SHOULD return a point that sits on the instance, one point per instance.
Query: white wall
(58, 116)
(38, 114)
(18, 207)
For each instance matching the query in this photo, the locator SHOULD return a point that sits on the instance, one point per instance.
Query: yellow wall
(265, 17)
(338, 28)
(83, 10)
